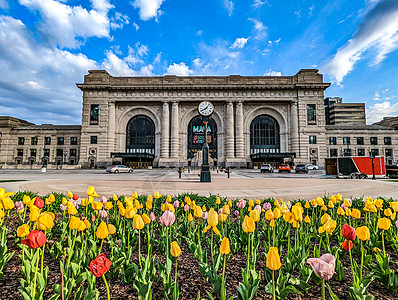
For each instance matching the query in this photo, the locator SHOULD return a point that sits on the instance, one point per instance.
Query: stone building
(154, 121)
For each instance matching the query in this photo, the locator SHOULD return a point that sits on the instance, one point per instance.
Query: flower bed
(193, 247)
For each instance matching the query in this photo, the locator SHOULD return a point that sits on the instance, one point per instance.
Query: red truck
(355, 167)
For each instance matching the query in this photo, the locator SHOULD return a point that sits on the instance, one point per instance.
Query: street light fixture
(372, 156)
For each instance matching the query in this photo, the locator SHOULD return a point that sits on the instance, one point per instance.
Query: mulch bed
(190, 280)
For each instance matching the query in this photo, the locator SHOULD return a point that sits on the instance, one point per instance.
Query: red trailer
(355, 166)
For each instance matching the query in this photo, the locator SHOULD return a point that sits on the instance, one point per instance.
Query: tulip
(363, 233)
(74, 222)
(325, 217)
(69, 194)
(248, 225)
(91, 192)
(383, 224)
(269, 215)
(130, 212)
(45, 221)
(99, 266)
(152, 216)
(394, 206)
(307, 219)
(348, 232)
(236, 213)
(255, 215)
(222, 217)
(23, 230)
(82, 227)
(345, 245)
(297, 213)
(111, 229)
(225, 250)
(355, 213)
(148, 205)
(156, 195)
(340, 211)
(146, 219)
(388, 212)
(87, 223)
(71, 209)
(102, 231)
(347, 203)
(34, 213)
(138, 222)
(324, 268)
(19, 206)
(35, 239)
(97, 205)
(226, 209)
(190, 218)
(198, 212)
(379, 203)
(103, 214)
(175, 249)
(108, 205)
(218, 202)
(186, 208)
(39, 202)
(277, 213)
(273, 262)
(168, 218)
(267, 206)
(330, 226)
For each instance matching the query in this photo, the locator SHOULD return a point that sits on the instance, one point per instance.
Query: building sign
(196, 136)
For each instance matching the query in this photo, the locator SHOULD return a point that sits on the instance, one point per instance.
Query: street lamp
(372, 156)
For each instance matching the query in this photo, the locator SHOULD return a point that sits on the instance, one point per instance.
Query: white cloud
(239, 43)
(311, 9)
(229, 5)
(119, 20)
(3, 4)
(259, 29)
(271, 72)
(376, 97)
(378, 31)
(136, 26)
(180, 69)
(148, 8)
(259, 3)
(378, 111)
(199, 32)
(63, 24)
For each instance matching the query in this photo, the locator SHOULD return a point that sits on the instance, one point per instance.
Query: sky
(47, 46)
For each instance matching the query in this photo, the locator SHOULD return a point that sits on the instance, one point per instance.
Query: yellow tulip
(295, 224)
(212, 221)
(379, 203)
(297, 213)
(170, 207)
(319, 201)
(148, 205)
(69, 194)
(108, 205)
(277, 213)
(384, 223)
(97, 205)
(388, 212)
(7, 203)
(87, 223)
(34, 213)
(251, 203)
(130, 212)
(146, 219)
(321, 230)
(175, 249)
(224, 247)
(74, 222)
(313, 203)
(138, 222)
(340, 211)
(91, 192)
(71, 208)
(347, 203)
(82, 227)
(273, 259)
(111, 229)
(307, 205)
(272, 223)
(394, 206)
(258, 202)
(363, 233)
(115, 197)
(222, 217)
(102, 231)
(326, 217)
(230, 204)
(348, 212)
(307, 219)
(255, 215)
(85, 202)
(198, 212)
(204, 208)
(248, 225)
(134, 196)
(288, 217)
(27, 199)
(168, 199)
(190, 218)
(122, 211)
(269, 215)
(187, 200)
(23, 230)
(226, 210)
(157, 195)
(330, 226)
(330, 204)
(356, 213)
(44, 221)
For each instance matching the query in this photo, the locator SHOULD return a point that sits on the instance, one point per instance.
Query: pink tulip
(241, 203)
(267, 206)
(75, 204)
(18, 206)
(176, 204)
(186, 207)
(63, 207)
(103, 214)
(152, 216)
(323, 266)
(103, 199)
(92, 218)
(289, 205)
(236, 213)
(168, 218)
(220, 211)
(204, 215)
(258, 207)
(396, 223)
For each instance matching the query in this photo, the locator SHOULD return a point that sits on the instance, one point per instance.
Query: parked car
(301, 168)
(267, 168)
(119, 169)
(284, 168)
(312, 167)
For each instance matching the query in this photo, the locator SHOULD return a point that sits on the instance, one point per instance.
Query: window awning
(133, 155)
(273, 155)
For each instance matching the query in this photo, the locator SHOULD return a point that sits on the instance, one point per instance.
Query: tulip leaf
(332, 295)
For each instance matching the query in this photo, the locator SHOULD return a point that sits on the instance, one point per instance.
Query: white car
(119, 169)
(312, 167)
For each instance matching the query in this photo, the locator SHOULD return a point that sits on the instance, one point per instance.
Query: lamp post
(44, 160)
(205, 109)
(372, 156)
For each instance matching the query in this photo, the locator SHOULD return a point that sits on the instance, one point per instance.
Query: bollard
(179, 172)
(229, 171)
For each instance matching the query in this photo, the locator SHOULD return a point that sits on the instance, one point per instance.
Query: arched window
(264, 135)
(196, 136)
(140, 137)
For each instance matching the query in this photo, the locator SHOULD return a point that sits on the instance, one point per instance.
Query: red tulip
(35, 239)
(39, 202)
(75, 197)
(348, 232)
(345, 245)
(100, 265)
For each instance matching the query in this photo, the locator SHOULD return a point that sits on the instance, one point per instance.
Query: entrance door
(196, 137)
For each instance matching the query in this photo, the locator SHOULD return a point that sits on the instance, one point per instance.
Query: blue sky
(47, 46)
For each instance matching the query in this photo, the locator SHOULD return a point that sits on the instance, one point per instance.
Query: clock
(205, 108)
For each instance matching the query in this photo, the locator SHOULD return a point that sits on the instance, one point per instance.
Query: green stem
(323, 289)
(107, 287)
(248, 256)
(320, 242)
(102, 242)
(382, 240)
(42, 259)
(139, 247)
(37, 268)
(361, 259)
(175, 279)
(148, 240)
(70, 254)
(273, 285)
(352, 266)
(223, 292)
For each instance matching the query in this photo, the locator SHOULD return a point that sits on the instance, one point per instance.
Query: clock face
(205, 108)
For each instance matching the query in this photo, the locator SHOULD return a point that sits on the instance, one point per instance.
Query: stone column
(240, 140)
(164, 153)
(175, 137)
(229, 142)
(294, 138)
(111, 127)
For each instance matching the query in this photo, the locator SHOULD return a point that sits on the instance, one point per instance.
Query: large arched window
(264, 135)
(140, 137)
(196, 136)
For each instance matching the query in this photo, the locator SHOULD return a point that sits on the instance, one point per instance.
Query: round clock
(205, 108)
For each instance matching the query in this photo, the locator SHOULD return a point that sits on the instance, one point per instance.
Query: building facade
(154, 121)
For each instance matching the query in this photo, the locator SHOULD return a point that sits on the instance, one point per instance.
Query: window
(21, 141)
(264, 135)
(73, 152)
(33, 152)
(347, 152)
(93, 139)
(311, 114)
(46, 152)
(333, 152)
(361, 152)
(387, 141)
(375, 152)
(332, 141)
(360, 141)
(388, 152)
(312, 139)
(94, 114)
(60, 152)
(60, 141)
(33, 140)
(73, 140)
(47, 140)
(20, 152)
(373, 140)
(346, 140)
